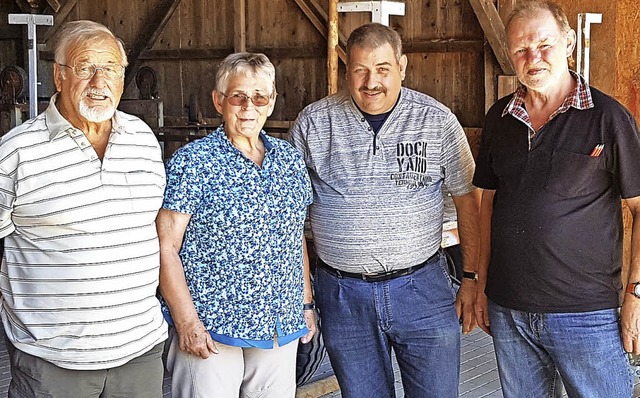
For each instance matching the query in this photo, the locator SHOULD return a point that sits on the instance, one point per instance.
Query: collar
(266, 139)
(580, 98)
(57, 124)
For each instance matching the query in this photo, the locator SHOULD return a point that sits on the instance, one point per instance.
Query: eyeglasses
(241, 99)
(86, 71)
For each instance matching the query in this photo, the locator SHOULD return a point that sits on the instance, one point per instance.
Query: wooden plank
(332, 46)
(240, 25)
(319, 19)
(58, 20)
(150, 33)
(494, 30)
(219, 53)
(54, 4)
(24, 6)
(11, 32)
(442, 46)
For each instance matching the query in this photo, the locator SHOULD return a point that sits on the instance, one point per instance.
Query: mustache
(378, 89)
(98, 91)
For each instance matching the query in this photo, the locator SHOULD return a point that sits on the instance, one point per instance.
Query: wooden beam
(443, 46)
(493, 29)
(54, 4)
(332, 48)
(219, 53)
(240, 25)
(58, 20)
(147, 38)
(319, 19)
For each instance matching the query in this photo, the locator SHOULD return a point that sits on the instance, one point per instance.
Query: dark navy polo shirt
(556, 233)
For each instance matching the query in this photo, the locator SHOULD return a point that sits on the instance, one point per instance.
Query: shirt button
(362, 120)
(377, 148)
(369, 129)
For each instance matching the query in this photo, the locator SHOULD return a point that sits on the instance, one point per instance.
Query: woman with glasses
(234, 269)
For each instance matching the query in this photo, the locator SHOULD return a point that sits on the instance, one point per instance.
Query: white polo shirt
(81, 263)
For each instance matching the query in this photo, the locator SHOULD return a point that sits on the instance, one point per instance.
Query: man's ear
(571, 42)
(403, 66)
(57, 76)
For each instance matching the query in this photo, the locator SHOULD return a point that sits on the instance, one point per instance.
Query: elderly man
(378, 158)
(80, 187)
(555, 159)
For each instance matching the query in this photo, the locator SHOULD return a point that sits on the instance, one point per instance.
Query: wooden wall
(443, 40)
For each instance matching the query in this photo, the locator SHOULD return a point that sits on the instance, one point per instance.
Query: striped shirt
(80, 269)
(378, 203)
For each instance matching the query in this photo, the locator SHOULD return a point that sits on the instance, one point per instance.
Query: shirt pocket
(575, 174)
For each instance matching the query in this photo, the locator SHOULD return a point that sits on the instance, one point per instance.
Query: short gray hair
(531, 8)
(374, 35)
(74, 33)
(249, 64)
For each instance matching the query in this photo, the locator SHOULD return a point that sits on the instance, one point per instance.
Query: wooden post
(240, 26)
(332, 53)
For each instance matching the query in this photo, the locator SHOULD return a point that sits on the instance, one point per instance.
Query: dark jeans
(584, 348)
(414, 315)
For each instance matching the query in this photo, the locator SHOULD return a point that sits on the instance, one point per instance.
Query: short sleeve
(457, 159)
(183, 193)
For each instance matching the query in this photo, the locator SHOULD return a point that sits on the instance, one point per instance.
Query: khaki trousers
(233, 372)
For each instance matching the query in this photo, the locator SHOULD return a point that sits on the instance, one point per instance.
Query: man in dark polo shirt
(556, 157)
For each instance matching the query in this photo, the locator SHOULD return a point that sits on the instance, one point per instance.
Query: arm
(630, 312)
(309, 315)
(486, 210)
(468, 208)
(193, 337)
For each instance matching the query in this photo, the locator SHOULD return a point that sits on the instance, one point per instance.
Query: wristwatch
(634, 288)
(470, 275)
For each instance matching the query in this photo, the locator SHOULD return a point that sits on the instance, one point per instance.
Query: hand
(630, 321)
(481, 310)
(310, 320)
(464, 304)
(195, 339)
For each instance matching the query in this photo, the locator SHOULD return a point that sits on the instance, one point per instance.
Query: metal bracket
(582, 63)
(380, 10)
(32, 20)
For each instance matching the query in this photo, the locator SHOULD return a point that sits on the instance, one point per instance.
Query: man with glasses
(80, 187)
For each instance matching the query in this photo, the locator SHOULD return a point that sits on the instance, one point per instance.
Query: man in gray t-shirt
(378, 158)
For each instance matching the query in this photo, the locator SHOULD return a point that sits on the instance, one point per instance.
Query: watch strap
(631, 288)
(470, 275)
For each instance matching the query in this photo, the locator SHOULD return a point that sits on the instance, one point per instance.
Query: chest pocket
(574, 174)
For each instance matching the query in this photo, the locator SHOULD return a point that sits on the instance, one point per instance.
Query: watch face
(636, 290)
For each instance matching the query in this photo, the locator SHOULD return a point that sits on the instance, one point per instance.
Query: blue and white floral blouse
(242, 252)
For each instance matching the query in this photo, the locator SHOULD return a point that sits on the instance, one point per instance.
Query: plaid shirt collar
(579, 98)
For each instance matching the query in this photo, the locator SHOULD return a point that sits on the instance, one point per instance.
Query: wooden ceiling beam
(494, 31)
(54, 5)
(319, 18)
(59, 19)
(147, 38)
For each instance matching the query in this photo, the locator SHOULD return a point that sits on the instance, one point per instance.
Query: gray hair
(74, 33)
(248, 64)
(374, 35)
(531, 8)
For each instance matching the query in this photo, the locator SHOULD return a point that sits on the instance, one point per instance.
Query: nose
(370, 81)
(533, 55)
(98, 78)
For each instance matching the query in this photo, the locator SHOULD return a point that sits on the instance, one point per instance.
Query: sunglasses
(241, 99)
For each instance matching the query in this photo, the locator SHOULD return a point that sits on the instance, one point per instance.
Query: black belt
(378, 276)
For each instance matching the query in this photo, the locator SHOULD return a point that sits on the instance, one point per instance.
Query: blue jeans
(413, 314)
(584, 349)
